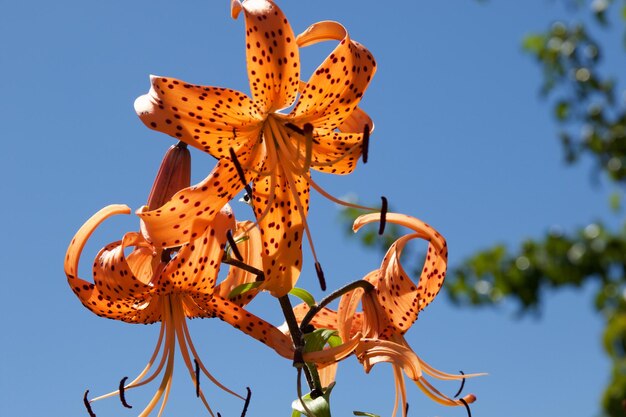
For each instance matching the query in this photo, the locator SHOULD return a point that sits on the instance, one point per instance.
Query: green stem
(332, 297)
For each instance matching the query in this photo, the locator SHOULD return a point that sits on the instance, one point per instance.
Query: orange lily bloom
(391, 308)
(255, 142)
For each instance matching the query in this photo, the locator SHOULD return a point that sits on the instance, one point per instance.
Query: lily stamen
(122, 396)
(233, 245)
(239, 168)
(469, 412)
(195, 361)
(366, 143)
(247, 403)
(88, 405)
(383, 216)
(320, 275)
(461, 387)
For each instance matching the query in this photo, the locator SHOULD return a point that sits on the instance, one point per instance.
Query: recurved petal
(250, 324)
(87, 292)
(191, 210)
(195, 267)
(333, 354)
(275, 204)
(336, 152)
(272, 55)
(336, 87)
(211, 119)
(397, 293)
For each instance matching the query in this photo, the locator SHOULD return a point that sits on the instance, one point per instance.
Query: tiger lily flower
(256, 143)
(391, 308)
(153, 284)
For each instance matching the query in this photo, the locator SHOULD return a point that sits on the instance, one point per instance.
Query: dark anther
(309, 328)
(240, 172)
(195, 361)
(122, 392)
(181, 145)
(233, 245)
(383, 216)
(218, 414)
(307, 130)
(87, 405)
(320, 275)
(462, 385)
(295, 128)
(247, 403)
(469, 412)
(316, 393)
(366, 142)
(406, 409)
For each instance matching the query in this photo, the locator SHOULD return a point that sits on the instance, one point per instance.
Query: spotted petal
(336, 87)
(191, 210)
(211, 119)
(88, 293)
(396, 291)
(195, 267)
(272, 55)
(281, 222)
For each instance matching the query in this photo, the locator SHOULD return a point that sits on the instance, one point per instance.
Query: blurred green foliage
(590, 110)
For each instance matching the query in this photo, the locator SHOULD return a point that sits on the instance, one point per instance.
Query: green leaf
(304, 295)
(240, 289)
(561, 110)
(624, 12)
(363, 413)
(533, 43)
(320, 406)
(317, 339)
(296, 413)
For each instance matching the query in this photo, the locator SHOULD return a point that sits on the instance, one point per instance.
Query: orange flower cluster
(167, 271)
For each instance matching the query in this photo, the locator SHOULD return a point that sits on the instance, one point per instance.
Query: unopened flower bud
(174, 175)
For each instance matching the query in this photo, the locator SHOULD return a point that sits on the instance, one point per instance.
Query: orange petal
(336, 152)
(211, 119)
(333, 354)
(195, 267)
(396, 291)
(191, 210)
(281, 227)
(112, 274)
(87, 292)
(336, 87)
(272, 56)
(251, 325)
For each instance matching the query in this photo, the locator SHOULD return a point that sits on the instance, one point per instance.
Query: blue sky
(462, 141)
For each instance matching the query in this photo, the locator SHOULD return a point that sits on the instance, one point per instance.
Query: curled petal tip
(235, 8)
(321, 31)
(143, 105)
(469, 398)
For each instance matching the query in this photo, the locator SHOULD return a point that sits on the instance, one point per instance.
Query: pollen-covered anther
(466, 404)
(366, 143)
(88, 405)
(174, 175)
(320, 275)
(197, 365)
(247, 403)
(122, 388)
(383, 215)
(461, 387)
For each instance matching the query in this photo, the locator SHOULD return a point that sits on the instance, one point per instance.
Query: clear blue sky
(462, 141)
